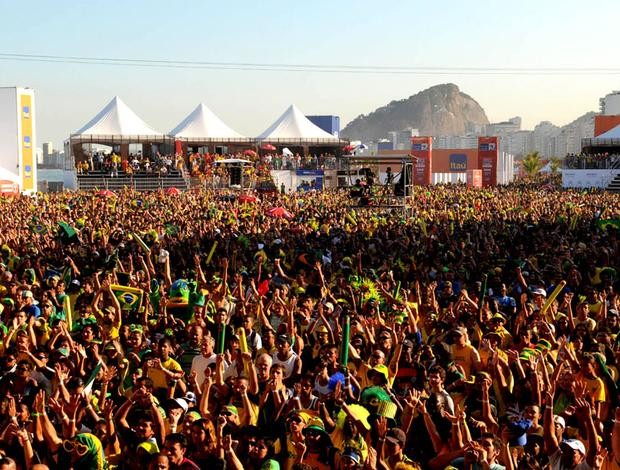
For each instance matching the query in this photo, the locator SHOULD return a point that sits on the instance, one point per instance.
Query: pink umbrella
(269, 147)
(173, 191)
(279, 212)
(247, 198)
(249, 153)
(106, 193)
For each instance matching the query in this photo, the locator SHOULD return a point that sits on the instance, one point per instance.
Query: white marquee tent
(294, 126)
(202, 125)
(116, 119)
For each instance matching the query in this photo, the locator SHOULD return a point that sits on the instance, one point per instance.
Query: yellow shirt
(159, 377)
(465, 357)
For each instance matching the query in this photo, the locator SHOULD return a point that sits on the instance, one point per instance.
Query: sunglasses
(257, 445)
(225, 413)
(71, 446)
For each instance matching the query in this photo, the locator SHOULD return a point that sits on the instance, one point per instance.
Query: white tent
(293, 125)
(613, 133)
(8, 175)
(117, 119)
(203, 124)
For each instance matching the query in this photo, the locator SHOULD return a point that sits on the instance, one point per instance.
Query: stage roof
(293, 125)
(203, 124)
(116, 119)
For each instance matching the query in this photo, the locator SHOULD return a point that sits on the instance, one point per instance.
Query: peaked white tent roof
(202, 123)
(8, 175)
(294, 125)
(613, 133)
(117, 119)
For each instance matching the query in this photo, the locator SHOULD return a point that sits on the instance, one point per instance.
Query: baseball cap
(190, 397)
(396, 436)
(150, 447)
(380, 369)
(284, 338)
(575, 444)
(460, 331)
(559, 420)
(539, 291)
(351, 454)
(179, 402)
(232, 409)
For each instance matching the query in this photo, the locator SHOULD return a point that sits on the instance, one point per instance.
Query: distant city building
(401, 140)
(506, 127)
(48, 148)
(610, 104)
(456, 142)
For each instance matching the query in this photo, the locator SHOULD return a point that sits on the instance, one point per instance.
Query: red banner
(422, 150)
(487, 160)
(178, 147)
(474, 178)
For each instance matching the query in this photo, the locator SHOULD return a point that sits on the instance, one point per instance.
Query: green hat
(194, 414)
(374, 395)
(232, 409)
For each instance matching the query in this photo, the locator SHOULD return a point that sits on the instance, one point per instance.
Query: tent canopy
(117, 119)
(293, 125)
(8, 175)
(613, 133)
(203, 124)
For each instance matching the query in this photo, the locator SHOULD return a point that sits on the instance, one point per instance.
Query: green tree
(532, 163)
(555, 164)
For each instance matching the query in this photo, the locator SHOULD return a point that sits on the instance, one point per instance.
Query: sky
(447, 35)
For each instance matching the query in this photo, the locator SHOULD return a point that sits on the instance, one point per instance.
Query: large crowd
(477, 329)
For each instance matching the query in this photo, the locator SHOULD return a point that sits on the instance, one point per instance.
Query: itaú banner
(422, 150)
(487, 160)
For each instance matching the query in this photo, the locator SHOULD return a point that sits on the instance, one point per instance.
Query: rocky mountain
(439, 110)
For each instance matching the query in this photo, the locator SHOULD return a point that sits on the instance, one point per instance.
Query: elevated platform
(608, 179)
(139, 182)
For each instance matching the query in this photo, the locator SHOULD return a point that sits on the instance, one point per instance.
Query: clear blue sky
(404, 33)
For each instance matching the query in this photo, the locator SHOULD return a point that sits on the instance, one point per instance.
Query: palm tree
(532, 163)
(555, 164)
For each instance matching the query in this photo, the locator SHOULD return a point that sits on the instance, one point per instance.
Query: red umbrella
(173, 191)
(269, 147)
(106, 193)
(247, 198)
(279, 212)
(249, 153)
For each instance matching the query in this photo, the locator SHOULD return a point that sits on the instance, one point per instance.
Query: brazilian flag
(37, 228)
(130, 298)
(614, 223)
(67, 233)
(65, 274)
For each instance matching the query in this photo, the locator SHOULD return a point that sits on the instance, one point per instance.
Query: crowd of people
(595, 161)
(477, 330)
(196, 163)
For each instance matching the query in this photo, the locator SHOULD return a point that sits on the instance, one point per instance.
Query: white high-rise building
(610, 104)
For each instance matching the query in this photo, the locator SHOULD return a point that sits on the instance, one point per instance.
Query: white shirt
(199, 364)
